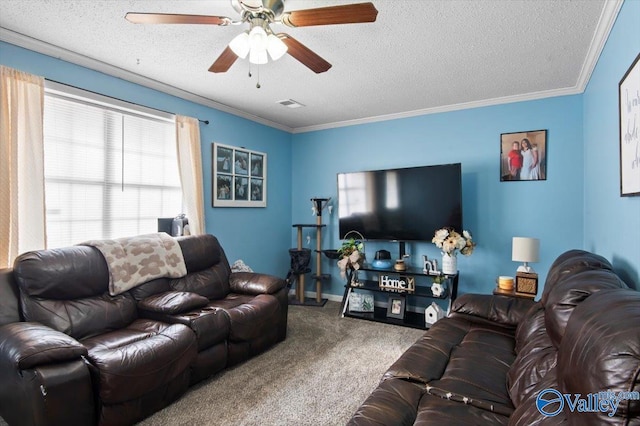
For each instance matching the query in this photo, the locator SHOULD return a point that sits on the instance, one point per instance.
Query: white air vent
(290, 103)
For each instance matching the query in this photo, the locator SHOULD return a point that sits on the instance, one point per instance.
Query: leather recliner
(487, 362)
(72, 354)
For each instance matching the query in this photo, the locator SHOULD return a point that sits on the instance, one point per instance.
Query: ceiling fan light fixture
(258, 56)
(276, 47)
(240, 45)
(258, 38)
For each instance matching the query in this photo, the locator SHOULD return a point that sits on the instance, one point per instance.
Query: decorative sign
(629, 96)
(398, 284)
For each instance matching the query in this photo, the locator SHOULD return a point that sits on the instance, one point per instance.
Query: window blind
(108, 173)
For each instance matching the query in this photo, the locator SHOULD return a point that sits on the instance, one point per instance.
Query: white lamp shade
(276, 47)
(258, 56)
(240, 45)
(525, 249)
(258, 38)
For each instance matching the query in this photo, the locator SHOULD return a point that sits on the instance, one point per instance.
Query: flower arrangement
(450, 242)
(351, 255)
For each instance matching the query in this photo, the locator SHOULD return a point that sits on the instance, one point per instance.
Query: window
(109, 172)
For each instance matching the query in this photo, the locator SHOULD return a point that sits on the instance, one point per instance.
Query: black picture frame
(629, 114)
(239, 177)
(396, 306)
(531, 157)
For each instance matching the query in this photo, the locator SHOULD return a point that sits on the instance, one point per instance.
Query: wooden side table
(512, 293)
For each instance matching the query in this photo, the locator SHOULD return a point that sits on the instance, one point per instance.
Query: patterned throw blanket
(135, 260)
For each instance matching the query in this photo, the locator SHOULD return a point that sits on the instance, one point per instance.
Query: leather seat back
(208, 269)
(9, 304)
(67, 290)
(601, 352)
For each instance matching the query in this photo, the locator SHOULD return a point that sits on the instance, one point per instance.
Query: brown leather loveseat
(571, 358)
(70, 353)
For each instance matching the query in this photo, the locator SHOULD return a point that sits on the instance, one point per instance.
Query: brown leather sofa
(72, 354)
(493, 356)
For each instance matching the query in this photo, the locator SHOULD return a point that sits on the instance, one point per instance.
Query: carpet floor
(319, 375)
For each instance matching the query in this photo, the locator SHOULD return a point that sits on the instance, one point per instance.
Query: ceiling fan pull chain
(258, 83)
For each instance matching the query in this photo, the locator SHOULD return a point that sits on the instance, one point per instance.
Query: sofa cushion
(211, 325)
(503, 310)
(532, 321)
(393, 402)
(601, 352)
(563, 298)
(129, 362)
(61, 274)
(249, 316)
(212, 283)
(569, 264)
(434, 410)
(536, 356)
(173, 302)
(82, 318)
(527, 414)
(447, 357)
(201, 252)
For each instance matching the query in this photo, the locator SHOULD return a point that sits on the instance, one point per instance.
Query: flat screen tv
(407, 204)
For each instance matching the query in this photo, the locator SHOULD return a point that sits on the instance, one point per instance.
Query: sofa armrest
(501, 309)
(27, 345)
(254, 283)
(45, 380)
(172, 302)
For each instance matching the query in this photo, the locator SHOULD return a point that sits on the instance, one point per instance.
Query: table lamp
(525, 250)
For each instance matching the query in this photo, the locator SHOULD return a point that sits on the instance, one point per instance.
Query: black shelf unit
(421, 293)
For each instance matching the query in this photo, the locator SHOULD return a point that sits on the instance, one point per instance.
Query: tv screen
(407, 204)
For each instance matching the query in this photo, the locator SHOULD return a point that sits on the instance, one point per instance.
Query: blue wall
(242, 232)
(493, 211)
(577, 207)
(611, 222)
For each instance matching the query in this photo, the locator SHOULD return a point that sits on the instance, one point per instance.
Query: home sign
(398, 284)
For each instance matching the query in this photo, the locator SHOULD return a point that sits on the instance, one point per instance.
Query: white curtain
(190, 164)
(22, 209)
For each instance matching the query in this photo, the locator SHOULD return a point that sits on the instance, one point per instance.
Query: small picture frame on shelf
(361, 302)
(396, 306)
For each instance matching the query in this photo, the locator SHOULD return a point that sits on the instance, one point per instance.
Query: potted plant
(351, 258)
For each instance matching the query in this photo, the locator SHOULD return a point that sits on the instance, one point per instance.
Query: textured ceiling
(419, 56)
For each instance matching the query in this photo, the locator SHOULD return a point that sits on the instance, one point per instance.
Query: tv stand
(420, 298)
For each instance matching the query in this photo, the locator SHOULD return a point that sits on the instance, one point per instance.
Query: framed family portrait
(239, 177)
(523, 156)
(396, 306)
(629, 109)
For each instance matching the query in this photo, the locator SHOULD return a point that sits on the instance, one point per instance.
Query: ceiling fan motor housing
(276, 7)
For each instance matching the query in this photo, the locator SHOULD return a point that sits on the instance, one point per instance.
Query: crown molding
(600, 36)
(57, 52)
(447, 108)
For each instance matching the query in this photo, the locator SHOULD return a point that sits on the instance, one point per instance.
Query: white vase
(449, 264)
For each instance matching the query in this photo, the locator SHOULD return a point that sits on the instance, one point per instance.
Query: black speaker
(164, 224)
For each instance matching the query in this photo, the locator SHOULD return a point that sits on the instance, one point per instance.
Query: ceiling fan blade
(303, 54)
(224, 61)
(170, 18)
(347, 14)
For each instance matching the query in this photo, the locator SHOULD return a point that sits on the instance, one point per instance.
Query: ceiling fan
(260, 40)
